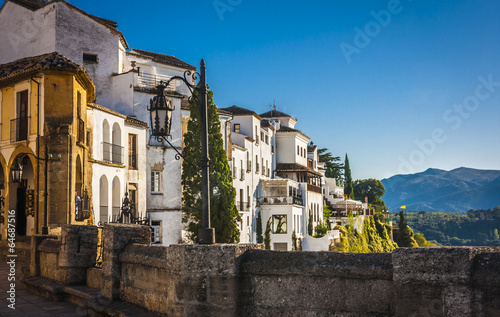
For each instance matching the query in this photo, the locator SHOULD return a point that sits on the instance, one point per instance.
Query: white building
(118, 163)
(125, 82)
(251, 161)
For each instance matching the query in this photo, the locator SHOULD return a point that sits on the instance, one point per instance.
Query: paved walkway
(29, 304)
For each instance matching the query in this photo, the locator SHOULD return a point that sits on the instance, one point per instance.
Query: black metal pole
(45, 228)
(206, 235)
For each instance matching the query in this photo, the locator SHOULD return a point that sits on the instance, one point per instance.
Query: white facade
(117, 168)
(125, 82)
(251, 161)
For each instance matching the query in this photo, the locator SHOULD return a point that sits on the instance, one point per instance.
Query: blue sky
(419, 88)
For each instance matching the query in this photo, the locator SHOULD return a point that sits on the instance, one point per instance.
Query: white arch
(103, 199)
(116, 199)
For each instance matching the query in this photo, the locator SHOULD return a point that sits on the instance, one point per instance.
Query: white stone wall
(25, 33)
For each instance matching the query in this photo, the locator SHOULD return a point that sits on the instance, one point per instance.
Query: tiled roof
(294, 167)
(52, 61)
(238, 110)
(161, 58)
(37, 4)
(274, 114)
(135, 121)
(265, 124)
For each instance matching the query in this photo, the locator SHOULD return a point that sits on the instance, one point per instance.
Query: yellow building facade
(43, 104)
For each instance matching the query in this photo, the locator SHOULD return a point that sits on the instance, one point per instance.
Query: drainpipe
(38, 154)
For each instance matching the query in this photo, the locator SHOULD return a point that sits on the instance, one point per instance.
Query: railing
(257, 168)
(242, 206)
(235, 172)
(115, 213)
(242, 176)
(314, 188)
(149, 81)
(112, 153)
(281, 200)
(103, 214)
(81, 131)
(19, 129)
(249, 166)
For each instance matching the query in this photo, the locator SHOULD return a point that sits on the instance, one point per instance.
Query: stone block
(339, 265)
(487, 270)
(94, 277)
(78, 246)
(440, 265)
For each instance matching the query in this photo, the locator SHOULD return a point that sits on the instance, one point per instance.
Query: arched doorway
(116, 198)
(22, 196)
(103, 199)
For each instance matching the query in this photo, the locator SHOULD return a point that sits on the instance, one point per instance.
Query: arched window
(106, 144)
(116, 200)
(103, 199)
(117, 148)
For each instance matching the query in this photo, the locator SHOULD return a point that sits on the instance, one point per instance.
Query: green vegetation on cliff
(474, 227)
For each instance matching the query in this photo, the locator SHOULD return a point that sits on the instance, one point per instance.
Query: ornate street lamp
(161, 123)
(17, 172)
(161, 113)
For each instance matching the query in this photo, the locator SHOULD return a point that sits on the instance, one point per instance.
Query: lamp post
(17, 173)
(161, 117)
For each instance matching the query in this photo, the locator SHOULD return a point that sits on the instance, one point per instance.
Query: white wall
(25, 33)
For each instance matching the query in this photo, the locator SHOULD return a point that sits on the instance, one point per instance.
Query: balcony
(19, 129)
(112, 153)
(150, 81)
(281, 200)
(314, 188)
(242, 206)
(249, 166)
(257, 168)
(242, 174)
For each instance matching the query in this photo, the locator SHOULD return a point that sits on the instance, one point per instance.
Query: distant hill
(457, 190)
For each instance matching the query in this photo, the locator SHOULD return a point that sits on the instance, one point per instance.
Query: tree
(294, 241)
(260, 238)
(223, 213)
(267, 235)
(326, 215)
(404, 238)
(422, 242)
(333, 165)
(348, 189)
(371, 188)
(310, 224)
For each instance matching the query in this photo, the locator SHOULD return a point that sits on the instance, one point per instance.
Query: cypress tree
(348, 186)
(260, 238)
(223, 213)
(405, 233)
(267, 235)
(310, 224)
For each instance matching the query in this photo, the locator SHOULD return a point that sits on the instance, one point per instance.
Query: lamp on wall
(161, 123)
(17, 172)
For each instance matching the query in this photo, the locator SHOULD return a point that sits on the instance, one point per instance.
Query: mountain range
(457, 190)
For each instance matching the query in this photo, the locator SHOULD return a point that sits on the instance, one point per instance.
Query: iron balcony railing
(112, 153)
(19, 129)
(243, 206)
(149, 81)
(257, 168)
(249, 166)
(281, 200)
(242, 176)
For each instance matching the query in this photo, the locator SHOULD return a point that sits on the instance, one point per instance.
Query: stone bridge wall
(243, 280)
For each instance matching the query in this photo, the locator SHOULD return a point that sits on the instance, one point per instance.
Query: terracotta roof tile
(161, 58)
(52, 61)
(238, 110)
